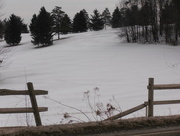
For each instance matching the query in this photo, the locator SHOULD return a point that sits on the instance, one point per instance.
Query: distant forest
(45, 25)
(148, 21)
(142, 21)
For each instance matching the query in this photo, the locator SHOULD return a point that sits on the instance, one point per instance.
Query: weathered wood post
(146, 111)
(150, 97)
(34, 104)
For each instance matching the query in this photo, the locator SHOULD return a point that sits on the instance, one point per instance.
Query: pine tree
(80, 22)
(41, 28)
(116, 18)
(13, 30)
(96, 21)
(83, 21)
(57, 15)
(66, 25)
(33, 30)
(86, 15)
(24, 28)
(76, 27)
(106, 17)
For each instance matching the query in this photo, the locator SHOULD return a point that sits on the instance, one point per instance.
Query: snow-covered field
(80, 62)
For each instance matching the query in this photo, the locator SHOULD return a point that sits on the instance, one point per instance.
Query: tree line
(144, 21)
(148, 21)
(44, 25)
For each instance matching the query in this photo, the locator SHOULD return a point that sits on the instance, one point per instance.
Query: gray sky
(26, 8)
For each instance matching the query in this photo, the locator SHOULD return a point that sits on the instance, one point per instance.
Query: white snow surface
(80, 62)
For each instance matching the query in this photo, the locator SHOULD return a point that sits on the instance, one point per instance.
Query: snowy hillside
(80, 62)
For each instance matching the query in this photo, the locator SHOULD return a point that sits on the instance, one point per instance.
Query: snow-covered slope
(80, 62)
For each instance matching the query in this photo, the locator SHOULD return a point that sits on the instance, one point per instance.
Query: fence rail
(150, 103)
(164, 87)
(21, 110)
(32, 94)
(21, 92)
(122, 114)
(151, 88)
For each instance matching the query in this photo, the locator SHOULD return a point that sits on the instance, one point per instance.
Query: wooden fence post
(150, 97)
(34, 104)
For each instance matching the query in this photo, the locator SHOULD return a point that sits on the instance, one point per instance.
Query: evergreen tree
(83, 21)
(97, 22)
(86, 15)
(13, 30)
(76, 26)
(80, 22)
(66, 25)
(24, 28)
(33, 29)
(106, 17)
(57, 15)
(41, 28)
(116, 18)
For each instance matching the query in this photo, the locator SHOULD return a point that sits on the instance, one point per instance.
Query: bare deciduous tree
(3, 51)
(151, 20)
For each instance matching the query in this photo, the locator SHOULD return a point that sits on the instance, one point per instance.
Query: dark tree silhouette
(80, 22)
(13, 30)
(106, 17)
(41, 28)
(97, 22)
(57, 15)
(66, 25)
(116, 18)
(24, 28)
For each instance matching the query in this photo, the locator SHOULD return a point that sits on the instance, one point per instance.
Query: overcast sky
(26, 8)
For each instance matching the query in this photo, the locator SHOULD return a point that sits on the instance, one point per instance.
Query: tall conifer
(41, 28)
(116, 18)
(57, 15)
(97, 22)
(13, 30)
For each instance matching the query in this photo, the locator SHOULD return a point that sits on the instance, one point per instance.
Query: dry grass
(93, 127)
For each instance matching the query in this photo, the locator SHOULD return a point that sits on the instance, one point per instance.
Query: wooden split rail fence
(34, 109)
(149, 105)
